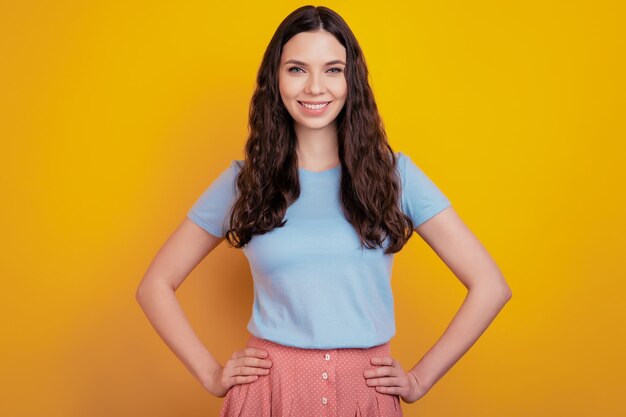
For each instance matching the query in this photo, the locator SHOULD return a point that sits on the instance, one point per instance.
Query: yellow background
(116, 115)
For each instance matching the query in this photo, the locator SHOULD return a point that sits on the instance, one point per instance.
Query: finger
(378, 372)
(390, 381)
(389, 390)
(250, 370)
(240, 379)
(253, 361)
(382, 360)
(259, 353)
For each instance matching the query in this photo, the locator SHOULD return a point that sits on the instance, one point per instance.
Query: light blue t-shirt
(314, 286)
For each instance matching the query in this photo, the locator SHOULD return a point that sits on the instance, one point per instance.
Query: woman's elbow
(507, 294)
(144, 290)
(505, 291)
(139, 293)
(498, 289)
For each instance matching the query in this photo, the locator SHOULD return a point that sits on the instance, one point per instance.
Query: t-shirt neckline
(318, 173)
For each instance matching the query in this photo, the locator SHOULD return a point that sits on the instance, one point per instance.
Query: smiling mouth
(314, 106)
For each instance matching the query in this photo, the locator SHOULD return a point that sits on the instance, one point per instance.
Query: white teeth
(314, 106)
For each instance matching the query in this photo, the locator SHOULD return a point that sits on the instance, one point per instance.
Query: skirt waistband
(254, 341)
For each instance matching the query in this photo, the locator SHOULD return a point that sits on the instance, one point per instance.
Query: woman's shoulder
(400, 156)
(236, 165)
(400, 160)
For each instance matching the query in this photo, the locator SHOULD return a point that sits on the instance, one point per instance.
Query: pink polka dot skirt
(312, 383)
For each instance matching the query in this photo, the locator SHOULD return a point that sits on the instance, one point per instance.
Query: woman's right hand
(244, 367)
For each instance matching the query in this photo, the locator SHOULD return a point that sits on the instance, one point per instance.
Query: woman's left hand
(390, 378)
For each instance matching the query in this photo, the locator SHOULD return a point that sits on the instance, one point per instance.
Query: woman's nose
(313, 85)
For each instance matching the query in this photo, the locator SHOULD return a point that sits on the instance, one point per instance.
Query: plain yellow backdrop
(115, 116)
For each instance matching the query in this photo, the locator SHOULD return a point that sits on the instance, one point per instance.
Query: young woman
(320, 205)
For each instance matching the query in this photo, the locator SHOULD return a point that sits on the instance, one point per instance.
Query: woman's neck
(317, 149)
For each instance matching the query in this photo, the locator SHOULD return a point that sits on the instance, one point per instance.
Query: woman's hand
(244, 367)
(390, 378)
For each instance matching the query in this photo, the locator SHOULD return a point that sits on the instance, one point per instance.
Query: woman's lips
(315, 111)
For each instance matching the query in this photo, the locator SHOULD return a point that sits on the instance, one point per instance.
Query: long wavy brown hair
(268, 181)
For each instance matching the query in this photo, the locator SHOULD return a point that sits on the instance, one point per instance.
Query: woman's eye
(334, 70)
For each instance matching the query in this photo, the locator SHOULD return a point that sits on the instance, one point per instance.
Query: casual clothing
(312, 383)
(314, 286)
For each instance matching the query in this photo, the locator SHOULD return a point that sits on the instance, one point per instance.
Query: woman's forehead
(313, 48)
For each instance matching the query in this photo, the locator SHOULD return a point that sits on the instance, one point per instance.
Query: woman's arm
(180, 254)
(488, 292)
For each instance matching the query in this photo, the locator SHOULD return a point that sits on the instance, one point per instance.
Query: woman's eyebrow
(295, 61)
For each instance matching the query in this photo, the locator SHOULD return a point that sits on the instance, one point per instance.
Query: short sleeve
(421, 198)
(211, 211)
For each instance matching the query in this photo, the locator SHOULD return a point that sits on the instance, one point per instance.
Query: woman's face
(311, 71)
